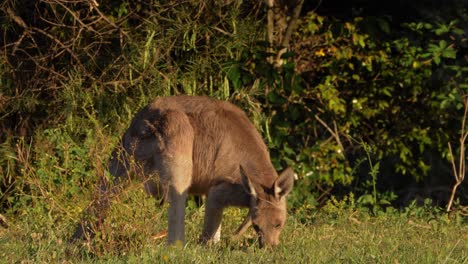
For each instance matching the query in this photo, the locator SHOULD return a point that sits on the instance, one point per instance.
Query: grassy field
(337, 233)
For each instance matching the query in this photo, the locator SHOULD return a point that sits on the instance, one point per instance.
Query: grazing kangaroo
(199, 145)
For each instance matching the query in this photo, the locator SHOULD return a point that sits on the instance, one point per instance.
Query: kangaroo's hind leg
(175, 169)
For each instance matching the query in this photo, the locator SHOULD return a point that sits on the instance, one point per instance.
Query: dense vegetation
(363, 102)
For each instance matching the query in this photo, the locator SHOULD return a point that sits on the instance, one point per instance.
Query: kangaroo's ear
(284, 184)
(146, 122)
(247, 183)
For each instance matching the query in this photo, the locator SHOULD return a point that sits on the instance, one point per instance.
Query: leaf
(443, 29)
(275, 98)
(361, 41)
(234, 76)
(384, 202)
(458, 31)
(288, 55)
(427, 26)
(293, 112)
(442, 44)
(366, 199)
(449, 53)
(288, 150)
(384, 25)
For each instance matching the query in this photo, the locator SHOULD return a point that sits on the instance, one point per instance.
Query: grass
(334, 234)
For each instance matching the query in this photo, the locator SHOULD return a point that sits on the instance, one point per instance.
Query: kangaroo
(202, 146)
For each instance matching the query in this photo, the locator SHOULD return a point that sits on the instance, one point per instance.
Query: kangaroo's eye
(278, 226)
(145, 133)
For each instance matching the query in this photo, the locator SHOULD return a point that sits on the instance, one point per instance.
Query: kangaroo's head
(268, 206)
(139, 141)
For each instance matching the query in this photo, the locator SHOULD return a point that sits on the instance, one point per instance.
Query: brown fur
(200, 145)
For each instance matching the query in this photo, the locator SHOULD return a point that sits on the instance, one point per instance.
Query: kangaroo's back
(224, 139)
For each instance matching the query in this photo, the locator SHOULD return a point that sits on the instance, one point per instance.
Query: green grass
(333, 234)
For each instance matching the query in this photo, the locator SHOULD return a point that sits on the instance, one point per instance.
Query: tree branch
(289, 30)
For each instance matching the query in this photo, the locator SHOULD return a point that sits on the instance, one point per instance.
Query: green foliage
(374, 199)
(399, 94)
(363, 72)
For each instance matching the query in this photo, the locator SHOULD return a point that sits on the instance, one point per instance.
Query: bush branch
(459, 174)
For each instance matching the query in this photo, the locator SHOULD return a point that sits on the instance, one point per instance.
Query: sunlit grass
(130, 235)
